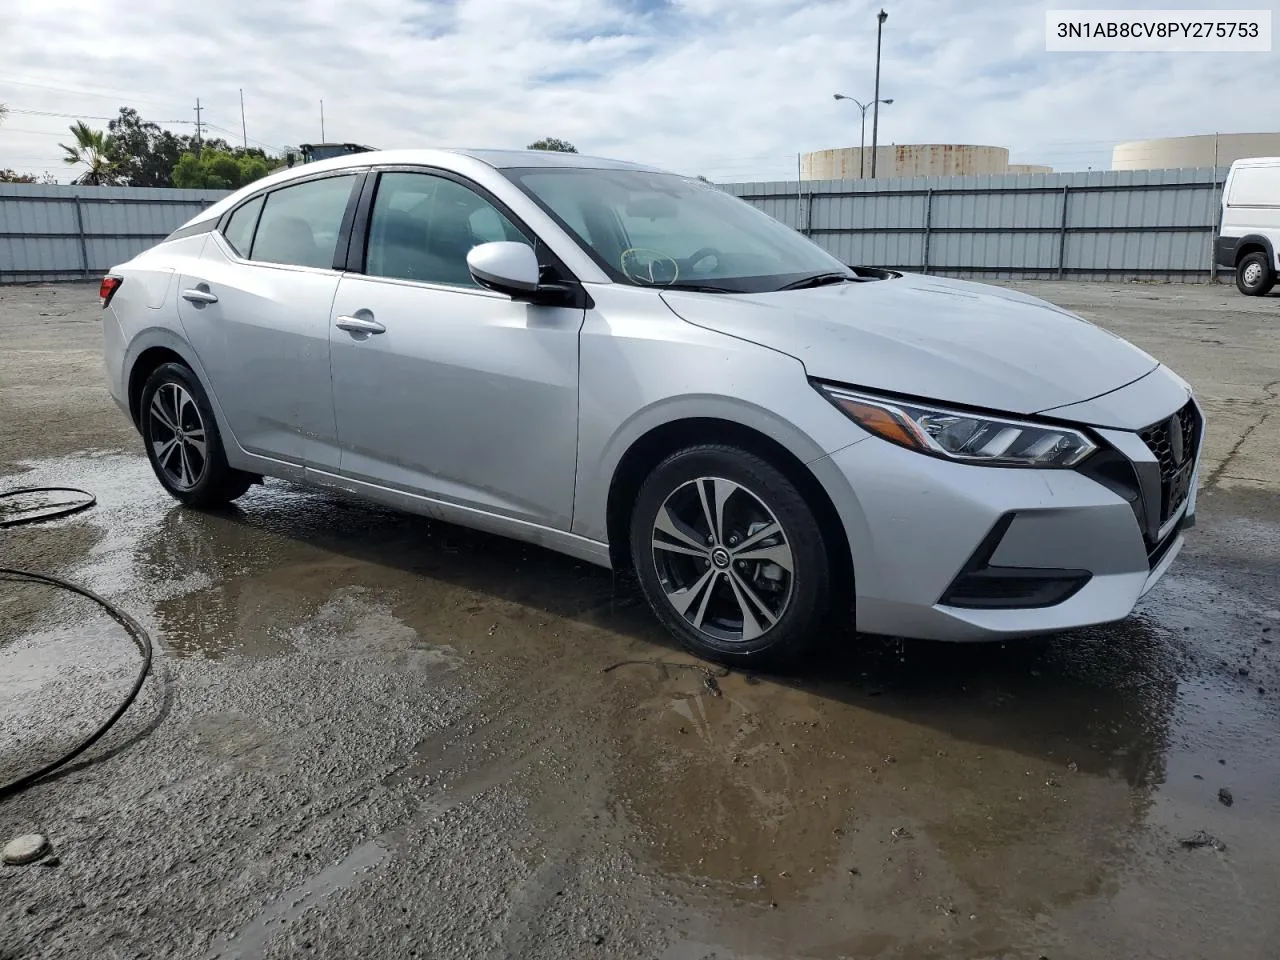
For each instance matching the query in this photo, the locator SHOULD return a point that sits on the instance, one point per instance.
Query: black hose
(131, 626)
(52, 512)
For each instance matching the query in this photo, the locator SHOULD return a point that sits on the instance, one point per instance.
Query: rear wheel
(1254, 276)
(183, 443)
(730, 556)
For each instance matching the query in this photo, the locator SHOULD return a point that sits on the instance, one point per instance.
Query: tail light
(107, 289)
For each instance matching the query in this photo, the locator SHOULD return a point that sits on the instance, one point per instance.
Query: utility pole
(322, 140)
(244, 131)
(198, 125)
(881, 17)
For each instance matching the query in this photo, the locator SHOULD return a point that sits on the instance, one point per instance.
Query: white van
(1250, 236)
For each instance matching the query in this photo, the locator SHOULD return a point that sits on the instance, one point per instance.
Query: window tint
(239, 232)
(423, 227)
(300, 225)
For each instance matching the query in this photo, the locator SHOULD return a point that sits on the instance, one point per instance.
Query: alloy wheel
(723, 559)
(177, 436)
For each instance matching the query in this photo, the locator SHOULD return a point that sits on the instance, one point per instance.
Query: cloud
(732, 90)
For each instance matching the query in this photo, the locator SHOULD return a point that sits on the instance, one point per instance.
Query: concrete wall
(58, 232)
(1207, 150)
(1100, 225)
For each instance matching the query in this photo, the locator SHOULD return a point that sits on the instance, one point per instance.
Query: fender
(1226, 249)
(590, 519)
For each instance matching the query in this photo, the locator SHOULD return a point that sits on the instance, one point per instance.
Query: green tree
(12, 176)
(218, 168)
(90, 151)
(143, 153)
(553, 143)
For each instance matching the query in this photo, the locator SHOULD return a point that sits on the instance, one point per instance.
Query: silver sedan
(635, 368)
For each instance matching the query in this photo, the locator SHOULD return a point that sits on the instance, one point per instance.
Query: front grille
(1175, 443)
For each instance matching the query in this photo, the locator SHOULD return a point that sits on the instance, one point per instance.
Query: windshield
(665, 230)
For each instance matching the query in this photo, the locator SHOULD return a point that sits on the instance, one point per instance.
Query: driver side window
(423, 226)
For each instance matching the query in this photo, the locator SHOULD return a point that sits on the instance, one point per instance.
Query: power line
(102, 92)
(260, 143)
(81, 116)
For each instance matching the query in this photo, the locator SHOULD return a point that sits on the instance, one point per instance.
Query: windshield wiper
(694, 288)
(819, 280)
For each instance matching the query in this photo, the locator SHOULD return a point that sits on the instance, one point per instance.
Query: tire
(689, 572)
(1254, 276)
(195, 476)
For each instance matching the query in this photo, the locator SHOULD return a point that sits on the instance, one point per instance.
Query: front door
(441, 387)
(256, 312)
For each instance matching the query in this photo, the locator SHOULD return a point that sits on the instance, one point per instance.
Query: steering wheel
(651, 268)
(702, 253)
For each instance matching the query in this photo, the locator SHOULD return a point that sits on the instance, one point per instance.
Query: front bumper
(1065, 548)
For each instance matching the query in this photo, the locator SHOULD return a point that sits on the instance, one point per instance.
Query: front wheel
(1254, 276)
(183, 443)
(730, 556)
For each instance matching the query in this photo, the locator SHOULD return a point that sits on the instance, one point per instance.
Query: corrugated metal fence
(1103, 225)
(50, 232)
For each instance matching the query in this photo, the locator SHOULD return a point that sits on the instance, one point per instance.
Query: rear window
(239, 231)
(300, 223)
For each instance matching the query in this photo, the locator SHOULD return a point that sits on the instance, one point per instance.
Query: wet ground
(369, 735)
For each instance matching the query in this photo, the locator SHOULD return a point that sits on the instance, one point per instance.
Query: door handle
(359, 325)
(196, 295)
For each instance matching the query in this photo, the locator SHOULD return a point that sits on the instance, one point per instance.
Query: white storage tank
(1204, 150)
(912, 160)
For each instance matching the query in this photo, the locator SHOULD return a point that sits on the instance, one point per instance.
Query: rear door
(257, 315)
(443, 388)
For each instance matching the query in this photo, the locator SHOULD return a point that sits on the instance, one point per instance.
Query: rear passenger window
(300, 224)
(239, 232)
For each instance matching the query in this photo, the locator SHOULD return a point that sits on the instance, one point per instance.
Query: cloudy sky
(731, 89)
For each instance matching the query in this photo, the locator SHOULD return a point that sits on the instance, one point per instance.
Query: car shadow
(1100, 698)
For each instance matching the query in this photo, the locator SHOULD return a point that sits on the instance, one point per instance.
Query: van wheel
(1254, 276)
(730, 557)
(183, 443)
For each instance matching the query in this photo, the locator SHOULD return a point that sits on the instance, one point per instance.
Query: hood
(946, 340)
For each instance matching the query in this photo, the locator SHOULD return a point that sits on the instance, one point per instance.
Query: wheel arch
(1255, 243)
(157, 346)
(659, 442)
(147, 363)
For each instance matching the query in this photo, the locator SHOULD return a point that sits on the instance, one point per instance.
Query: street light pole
(862, 144)
(881, 17)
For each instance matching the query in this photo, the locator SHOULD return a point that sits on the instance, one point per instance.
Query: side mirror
(505, 266)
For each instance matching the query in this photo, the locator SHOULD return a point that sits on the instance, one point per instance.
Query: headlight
(961, 436)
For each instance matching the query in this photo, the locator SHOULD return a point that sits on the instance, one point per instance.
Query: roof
(499, 159)
(505, 159)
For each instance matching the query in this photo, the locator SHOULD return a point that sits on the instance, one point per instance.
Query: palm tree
(90, 150)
